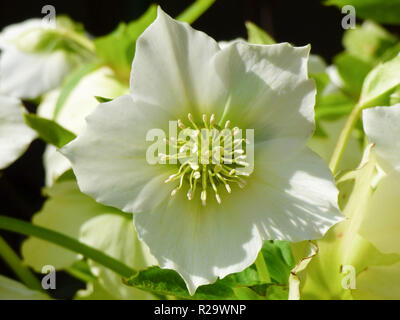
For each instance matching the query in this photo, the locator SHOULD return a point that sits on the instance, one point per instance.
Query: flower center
(208, 157)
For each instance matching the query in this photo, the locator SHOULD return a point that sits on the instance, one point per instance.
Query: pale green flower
(35, 59)
(14, 290)
(325, 145)
(343, 254)
(182, 74)
(75, 214)
(15, 135)
(80, 103)
(381, 224)
(379, 283)
(368, 240)
(94, 291)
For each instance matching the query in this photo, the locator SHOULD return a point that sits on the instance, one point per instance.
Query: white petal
(81, 102)
(296, 200)
(269, 89)
(115, 235)
(109, 157)
(15, 135)
(55, 164)
(200, 243)
(225, 44)
(9, 34)
(173, 68)
(47, 106)
(295, 189)
(26, 75)
(381, 125)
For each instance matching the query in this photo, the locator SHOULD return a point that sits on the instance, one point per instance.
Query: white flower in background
(180, 73)
(35, 59)
(107, 229)
(381, 223)
(80, 103)
(331, 96)
(15, 135)
(14, 290)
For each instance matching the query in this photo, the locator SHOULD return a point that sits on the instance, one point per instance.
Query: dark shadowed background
(298, 22)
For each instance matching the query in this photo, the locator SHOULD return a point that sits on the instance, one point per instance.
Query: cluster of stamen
(203, 162)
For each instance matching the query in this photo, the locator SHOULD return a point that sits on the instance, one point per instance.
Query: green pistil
(213, 167)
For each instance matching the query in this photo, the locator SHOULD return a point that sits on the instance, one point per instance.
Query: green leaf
(257, 35)
(136, 28)
(371, 43)
(114, 48)
(168, 282)
(193, 12)
(277, 292)
(286, 252)
(247, 294)
(70, 83)
(395, 97)
(49, 131)
(67, 175)
(383, 11)
(353, 71)
(279, 260)
(13, 261)
(379, 82)
(247, 278)
(102, 99)
(117, 49)
(333, 106)
(241, 285)
(321, 82)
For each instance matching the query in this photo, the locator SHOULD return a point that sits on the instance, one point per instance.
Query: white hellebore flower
(15, 135)
(207, 221)
(35, 59)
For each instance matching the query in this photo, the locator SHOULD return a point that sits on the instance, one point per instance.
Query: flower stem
(80, 275)
(26, 228)
(262, 268)
(16, 265)
(344, 138)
